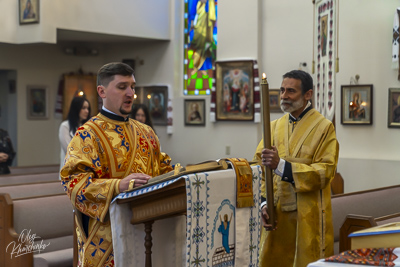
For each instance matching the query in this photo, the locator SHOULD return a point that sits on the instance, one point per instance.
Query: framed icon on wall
(195, 112)
(234, 90)
(156, 99)
(28, 11)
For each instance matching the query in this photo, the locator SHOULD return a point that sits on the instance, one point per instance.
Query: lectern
(213, 222)
(156, 205)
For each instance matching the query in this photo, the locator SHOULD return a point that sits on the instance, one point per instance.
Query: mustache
(286, 102)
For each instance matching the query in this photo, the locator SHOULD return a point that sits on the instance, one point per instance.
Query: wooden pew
(363, 209)
(10, 179)
(48, 217)
(337, 184)
(32, 189)
(359, 222)
(8, 235)
(34, 169)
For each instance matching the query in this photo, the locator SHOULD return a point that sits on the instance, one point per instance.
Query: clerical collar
(292, 119)
(111, 115)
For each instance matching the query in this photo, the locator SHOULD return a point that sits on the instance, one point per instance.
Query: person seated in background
(7, 152)
(140, 112)
(79, 113)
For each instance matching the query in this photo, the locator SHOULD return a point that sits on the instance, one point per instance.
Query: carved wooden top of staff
(269, 182)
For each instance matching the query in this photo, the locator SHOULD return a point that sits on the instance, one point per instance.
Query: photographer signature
(25, 244)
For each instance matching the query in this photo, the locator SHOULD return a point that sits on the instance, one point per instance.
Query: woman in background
(140, 112)
(7, 152)
(79, 113)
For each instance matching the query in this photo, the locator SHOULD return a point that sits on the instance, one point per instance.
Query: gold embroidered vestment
(303, 209)
(102, 152)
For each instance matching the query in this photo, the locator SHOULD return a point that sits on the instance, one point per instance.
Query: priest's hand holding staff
(270, 158)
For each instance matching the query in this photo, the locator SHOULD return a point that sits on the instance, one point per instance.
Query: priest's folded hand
(139, 180)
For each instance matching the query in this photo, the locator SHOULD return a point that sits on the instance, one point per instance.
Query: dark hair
(73, 114)
(106, 73)
(143, 107)
(304, 77)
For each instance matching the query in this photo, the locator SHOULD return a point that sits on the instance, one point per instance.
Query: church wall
(364, 49)
(363, 174)
(40, 65)
(134, 18)
(162, 65)
(238, 38)
(369, 155)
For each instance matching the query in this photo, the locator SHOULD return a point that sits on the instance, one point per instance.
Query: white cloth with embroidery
(325, 46)
(395, 40)
(206, 240)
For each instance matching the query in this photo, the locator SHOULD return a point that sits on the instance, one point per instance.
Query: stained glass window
(200, 45)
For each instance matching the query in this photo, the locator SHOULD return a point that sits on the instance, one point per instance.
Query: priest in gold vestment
(108, 155)
(303, 158)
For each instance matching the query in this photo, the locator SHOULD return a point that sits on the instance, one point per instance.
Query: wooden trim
(387, 217)
(367, 191)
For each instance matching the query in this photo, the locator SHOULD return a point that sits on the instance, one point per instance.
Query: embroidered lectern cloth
(216, 233)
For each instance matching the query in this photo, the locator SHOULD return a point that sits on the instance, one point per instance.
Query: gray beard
(294, 105)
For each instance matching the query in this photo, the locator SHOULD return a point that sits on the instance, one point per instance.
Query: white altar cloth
(199, 239)
(323, 263)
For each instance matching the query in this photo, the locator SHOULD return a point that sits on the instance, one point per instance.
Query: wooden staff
(269, 182)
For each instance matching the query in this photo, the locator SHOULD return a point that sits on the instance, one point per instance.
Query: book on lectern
(382, 236)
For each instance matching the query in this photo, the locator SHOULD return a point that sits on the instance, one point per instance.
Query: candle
(269, 183)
